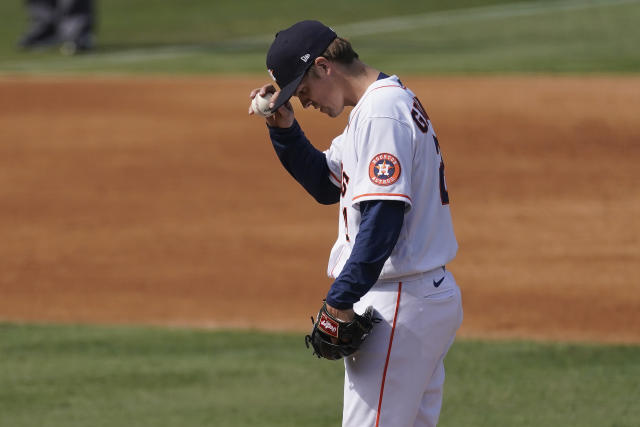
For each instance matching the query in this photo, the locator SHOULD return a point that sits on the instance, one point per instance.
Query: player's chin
(331, 112)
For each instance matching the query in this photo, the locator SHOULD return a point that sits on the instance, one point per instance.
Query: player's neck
(357, 80)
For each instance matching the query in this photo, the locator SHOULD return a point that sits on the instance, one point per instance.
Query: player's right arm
(305, 163)
(299, 157)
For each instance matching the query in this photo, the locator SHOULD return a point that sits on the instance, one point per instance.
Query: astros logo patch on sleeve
(384, 169)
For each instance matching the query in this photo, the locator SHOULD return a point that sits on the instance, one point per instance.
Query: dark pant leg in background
(70, 22)
(76, 24)
(42, 23)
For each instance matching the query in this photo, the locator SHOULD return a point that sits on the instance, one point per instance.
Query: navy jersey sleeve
(381, 222)
(304, 162)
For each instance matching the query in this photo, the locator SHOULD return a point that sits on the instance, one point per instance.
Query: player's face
(318, 90)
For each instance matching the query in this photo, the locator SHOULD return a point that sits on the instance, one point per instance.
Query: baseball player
(395, 234)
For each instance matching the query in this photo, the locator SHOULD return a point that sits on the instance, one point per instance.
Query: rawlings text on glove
(334, 339)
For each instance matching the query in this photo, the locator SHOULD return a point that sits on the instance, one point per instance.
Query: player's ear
(322, 65)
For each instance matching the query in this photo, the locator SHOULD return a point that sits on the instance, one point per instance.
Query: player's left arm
(382, 192)
(381, 223)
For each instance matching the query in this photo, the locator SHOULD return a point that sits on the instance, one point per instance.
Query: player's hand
(283, 117)
(342, 315)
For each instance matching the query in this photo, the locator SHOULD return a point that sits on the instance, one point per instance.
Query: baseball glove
(334, 339)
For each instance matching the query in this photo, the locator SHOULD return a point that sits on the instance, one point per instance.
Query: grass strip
(53, 375)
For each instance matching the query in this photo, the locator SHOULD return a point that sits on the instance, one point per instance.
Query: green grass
(106, 376)
(597, 39)
(462, 36)
(95, 376)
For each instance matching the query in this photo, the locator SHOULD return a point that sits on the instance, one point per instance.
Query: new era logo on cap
(306, 57)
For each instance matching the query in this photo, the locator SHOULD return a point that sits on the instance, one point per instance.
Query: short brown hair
(340, 51)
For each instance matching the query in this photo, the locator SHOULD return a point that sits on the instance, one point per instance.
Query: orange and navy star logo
(384, 169)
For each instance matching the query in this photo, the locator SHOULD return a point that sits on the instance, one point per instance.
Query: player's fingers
(274, 99)
(254, 92)
(263, 90)
(268, 88)
(285, 109)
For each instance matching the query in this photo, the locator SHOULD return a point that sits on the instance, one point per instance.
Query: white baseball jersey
(389, 151)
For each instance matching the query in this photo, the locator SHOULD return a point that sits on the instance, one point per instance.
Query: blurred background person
(69, 23)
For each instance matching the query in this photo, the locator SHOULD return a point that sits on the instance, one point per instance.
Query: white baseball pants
(396, 378)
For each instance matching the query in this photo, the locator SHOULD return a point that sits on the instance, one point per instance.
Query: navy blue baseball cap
(293, 52)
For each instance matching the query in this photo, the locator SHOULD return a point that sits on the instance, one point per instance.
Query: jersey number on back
(421, 118)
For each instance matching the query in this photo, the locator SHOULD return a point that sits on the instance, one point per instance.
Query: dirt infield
(158, 200)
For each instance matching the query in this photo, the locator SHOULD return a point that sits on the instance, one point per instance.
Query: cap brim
(287, 92)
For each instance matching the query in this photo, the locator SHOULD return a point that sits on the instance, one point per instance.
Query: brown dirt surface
(159, 201)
